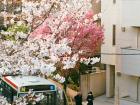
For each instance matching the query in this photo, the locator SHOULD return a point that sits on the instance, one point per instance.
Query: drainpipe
(138, 89)
(117, 78)
(137, 39)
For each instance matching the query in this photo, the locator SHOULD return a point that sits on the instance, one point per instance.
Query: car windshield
(22, 94)
(43, 98)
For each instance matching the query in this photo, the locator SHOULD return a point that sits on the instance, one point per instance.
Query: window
(37, 88)
(114, 35)
(7, 91)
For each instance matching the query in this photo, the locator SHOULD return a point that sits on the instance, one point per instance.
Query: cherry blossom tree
(82, 36)
(69, 26)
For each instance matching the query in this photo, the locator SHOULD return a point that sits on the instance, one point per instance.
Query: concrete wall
(128, 86)
(110, 80)
(107, 20)
(126, 36)
(130, 16)
(95, 82)
(131, 63)
(129, 37)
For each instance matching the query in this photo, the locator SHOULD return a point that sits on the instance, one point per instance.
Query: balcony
(130, 13)
(131, 62)
(128, 101)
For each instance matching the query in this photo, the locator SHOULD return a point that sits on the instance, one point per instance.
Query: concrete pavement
(102, 100)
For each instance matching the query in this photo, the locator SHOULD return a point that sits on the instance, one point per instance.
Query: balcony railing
(130, 15)
(130, 62)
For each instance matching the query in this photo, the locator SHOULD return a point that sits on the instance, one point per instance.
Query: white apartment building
(121, 50)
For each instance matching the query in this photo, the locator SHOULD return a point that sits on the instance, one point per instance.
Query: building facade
(120, 51)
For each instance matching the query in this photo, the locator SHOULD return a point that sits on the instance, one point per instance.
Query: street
(102, 100)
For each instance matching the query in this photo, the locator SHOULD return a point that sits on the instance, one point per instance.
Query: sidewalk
(102, 100)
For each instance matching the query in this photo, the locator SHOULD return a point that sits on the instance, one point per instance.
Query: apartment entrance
(110, 80)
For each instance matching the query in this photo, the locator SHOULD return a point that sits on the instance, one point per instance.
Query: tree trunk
(65, 90)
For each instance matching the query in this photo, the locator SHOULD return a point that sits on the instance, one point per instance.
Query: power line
(117, 53)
